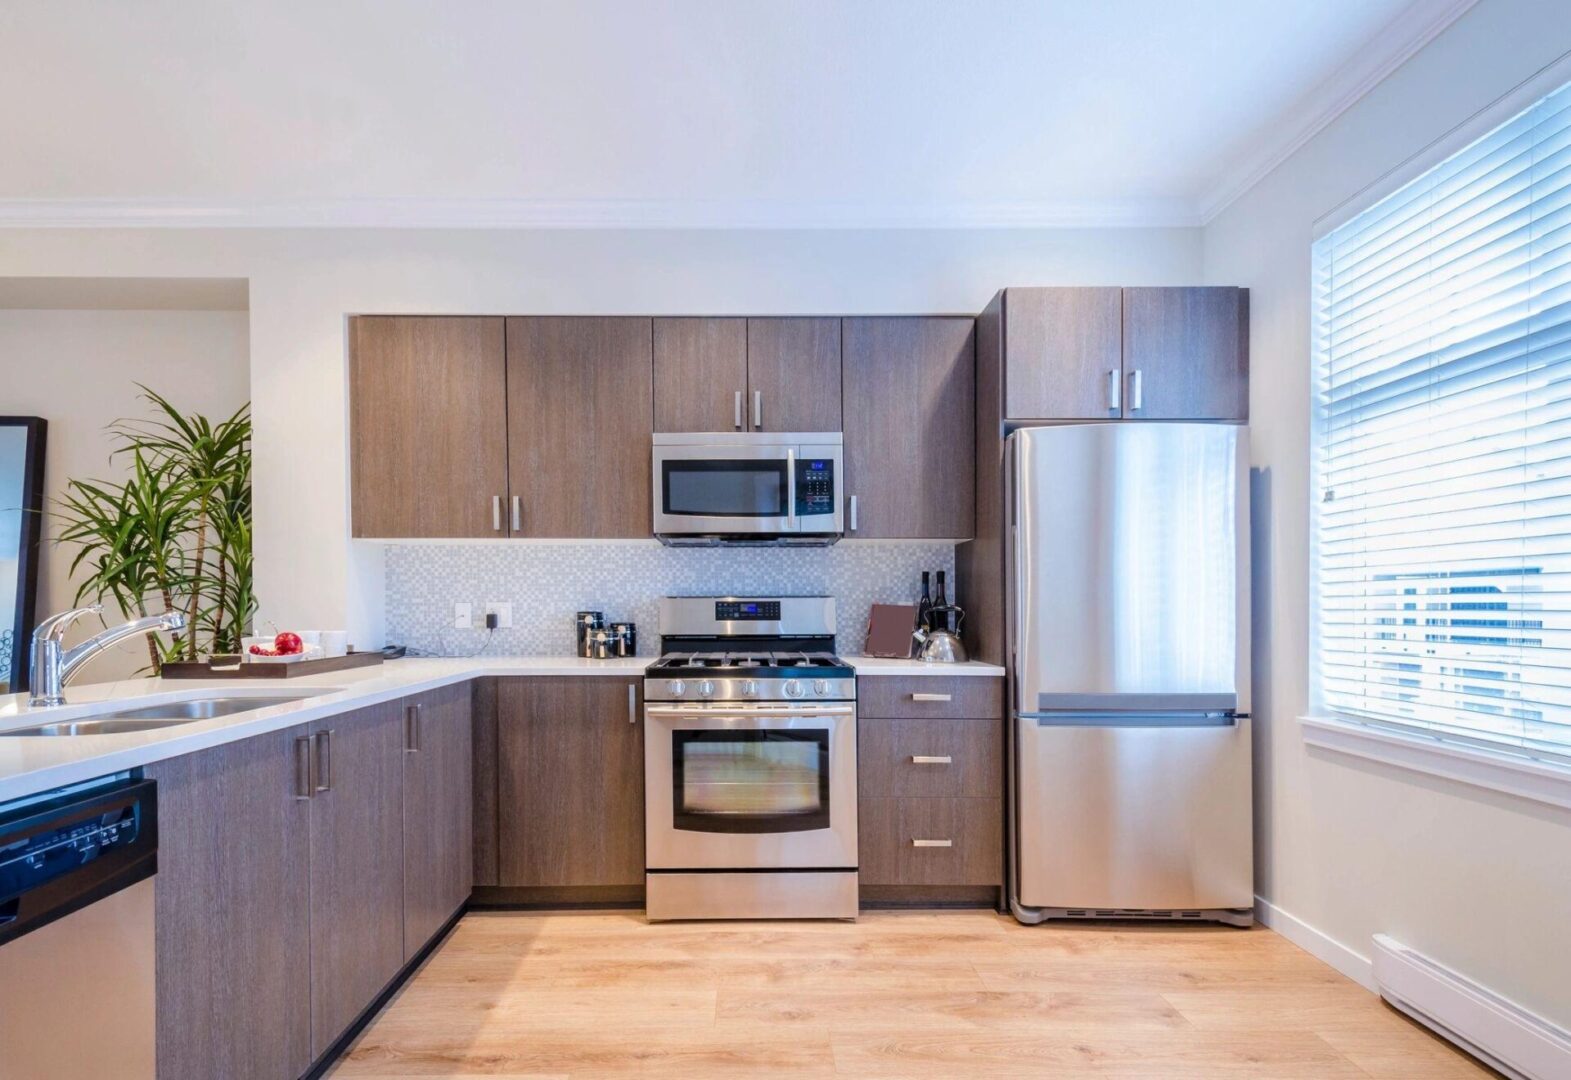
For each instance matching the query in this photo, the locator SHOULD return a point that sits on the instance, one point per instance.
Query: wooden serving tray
(204, 669)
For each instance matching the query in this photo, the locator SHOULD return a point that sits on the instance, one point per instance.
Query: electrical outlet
(503, 613)
(463, 619)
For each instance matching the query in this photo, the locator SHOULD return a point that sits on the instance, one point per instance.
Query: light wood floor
(907, 995)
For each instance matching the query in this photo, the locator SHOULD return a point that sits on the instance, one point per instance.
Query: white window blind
(1443, 461)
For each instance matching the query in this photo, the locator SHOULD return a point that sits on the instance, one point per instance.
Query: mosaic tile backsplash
(547, 583)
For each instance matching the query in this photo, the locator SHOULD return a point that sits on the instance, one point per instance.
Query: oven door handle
(749, 712)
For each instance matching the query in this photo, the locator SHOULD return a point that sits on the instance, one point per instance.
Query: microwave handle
(791, 487)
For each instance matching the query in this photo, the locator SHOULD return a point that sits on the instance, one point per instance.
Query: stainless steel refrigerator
(1128, 620)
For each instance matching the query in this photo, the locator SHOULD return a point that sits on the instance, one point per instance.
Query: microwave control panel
(815, 486)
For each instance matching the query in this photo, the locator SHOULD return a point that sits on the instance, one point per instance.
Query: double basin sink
(166, 714)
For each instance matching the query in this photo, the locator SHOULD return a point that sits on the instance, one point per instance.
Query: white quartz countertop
(30, 764)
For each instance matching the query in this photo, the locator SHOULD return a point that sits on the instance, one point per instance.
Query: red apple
(287, 643)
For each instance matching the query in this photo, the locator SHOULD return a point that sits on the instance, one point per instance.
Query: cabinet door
(438, 811)
(580, 419)
(700, 374)
(1186, 354)
(570, 781)
(911, 449)
(1062, 353)
(231, 901)
(427, 426)
(793, 374)
(357, 866)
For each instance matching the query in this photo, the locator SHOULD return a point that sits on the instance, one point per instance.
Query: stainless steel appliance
(1128, 592)
(76, 932)
(749, 762)
(748, 487)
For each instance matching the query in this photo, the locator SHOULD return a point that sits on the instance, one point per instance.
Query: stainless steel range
(750, 762)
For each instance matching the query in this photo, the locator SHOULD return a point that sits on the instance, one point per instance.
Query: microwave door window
(725, 488)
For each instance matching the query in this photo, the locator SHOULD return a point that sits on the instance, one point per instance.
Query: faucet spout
(53, 667)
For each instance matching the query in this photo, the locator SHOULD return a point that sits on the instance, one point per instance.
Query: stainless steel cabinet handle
(853, 513)
(1112, 390)
(496, 512)
(932, 843)
(323, 741)
(632, 703)
(791, 487)
(304, 781)
(758, 408)
(1137, 397)
(928, 759)
(411, 728)
(518, 513)
(931, 697)
(739, 410)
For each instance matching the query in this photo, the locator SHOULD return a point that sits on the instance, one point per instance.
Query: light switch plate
(503, 613)
(462, 618)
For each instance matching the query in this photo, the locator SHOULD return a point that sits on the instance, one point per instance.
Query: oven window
(750, 781)
(724, 488)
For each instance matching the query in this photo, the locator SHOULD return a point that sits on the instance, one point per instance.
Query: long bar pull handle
(1112, 390)
(739, 410)
(853, 513)
(411, 727)
(932, 843)
(496, 512)
(758, 408)
(932, 697)
(518, 513)
(791, 487)
(304, 781)
(324, 761)
(632, 703)
(931, 759)
(1137, 397)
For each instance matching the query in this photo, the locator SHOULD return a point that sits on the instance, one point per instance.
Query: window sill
(1540, 781)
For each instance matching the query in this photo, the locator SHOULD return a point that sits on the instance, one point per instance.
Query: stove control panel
(747, 610)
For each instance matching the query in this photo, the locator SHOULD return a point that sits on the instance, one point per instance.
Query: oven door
(746, 487)
(761, 786)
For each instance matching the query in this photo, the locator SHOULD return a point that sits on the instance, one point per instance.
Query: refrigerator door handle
(1168, 720)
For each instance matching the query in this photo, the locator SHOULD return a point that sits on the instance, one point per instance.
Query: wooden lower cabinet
(231, 898)
(930, 841)
(570, 782)
(357, 887)
(438, 810)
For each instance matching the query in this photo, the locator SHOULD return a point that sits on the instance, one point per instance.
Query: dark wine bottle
(924, 606)
(939, 615)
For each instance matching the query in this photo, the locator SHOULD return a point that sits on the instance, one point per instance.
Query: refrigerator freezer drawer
(1134, 812)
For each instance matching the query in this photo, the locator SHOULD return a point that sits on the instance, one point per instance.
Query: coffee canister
(585, 623)
(624, 639)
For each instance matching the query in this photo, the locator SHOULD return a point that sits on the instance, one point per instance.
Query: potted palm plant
(175, 534)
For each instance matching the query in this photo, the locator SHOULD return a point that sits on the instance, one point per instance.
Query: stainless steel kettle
(942, 647)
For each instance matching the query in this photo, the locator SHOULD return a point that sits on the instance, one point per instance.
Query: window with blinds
(1442, 518)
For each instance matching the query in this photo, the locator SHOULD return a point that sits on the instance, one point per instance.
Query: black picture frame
(31, 534)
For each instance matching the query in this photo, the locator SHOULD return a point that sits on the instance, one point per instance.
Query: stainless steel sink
(167, 714)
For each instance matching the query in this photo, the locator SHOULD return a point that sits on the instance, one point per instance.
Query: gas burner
(706, 659)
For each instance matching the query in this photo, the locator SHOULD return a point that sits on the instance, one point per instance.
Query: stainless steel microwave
(748, 487)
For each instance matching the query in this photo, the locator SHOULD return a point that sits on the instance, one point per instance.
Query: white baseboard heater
(1500, 1032)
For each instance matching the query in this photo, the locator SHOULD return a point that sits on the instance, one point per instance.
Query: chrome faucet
(53, 666)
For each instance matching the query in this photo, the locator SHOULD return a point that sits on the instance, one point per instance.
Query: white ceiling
(682, 112)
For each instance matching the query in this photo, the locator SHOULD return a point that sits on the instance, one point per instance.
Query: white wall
(1480, 881)
(304, 283)
(78, 369)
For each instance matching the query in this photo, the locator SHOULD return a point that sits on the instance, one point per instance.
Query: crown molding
(1418, 24)
(584, 214)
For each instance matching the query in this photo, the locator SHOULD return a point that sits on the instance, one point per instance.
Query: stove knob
(706, 689)
(677, 687)
(821, 687)
(750, 688)
(793, 688)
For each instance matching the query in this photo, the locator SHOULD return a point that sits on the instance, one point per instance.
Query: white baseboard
(1501, 1032)
(1348, 961)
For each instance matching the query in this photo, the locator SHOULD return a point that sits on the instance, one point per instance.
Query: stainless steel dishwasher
(76, 932)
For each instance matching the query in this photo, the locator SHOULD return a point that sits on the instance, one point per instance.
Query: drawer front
(953, 696)
(931, 841)
(931, 758)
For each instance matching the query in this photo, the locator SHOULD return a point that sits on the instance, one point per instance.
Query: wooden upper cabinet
(910, 449)
(700, 374)
(428, 426)
(1062, 353)
(580, 417)
(793, 374)
(570, 781)
(1186, 353)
